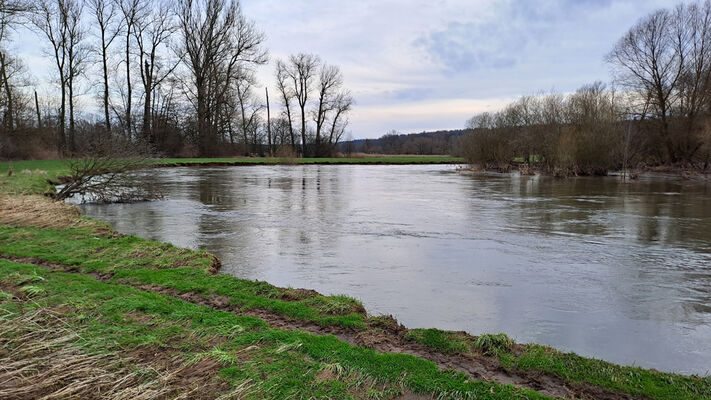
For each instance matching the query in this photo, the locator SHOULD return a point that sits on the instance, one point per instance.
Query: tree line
(657, 110)
(176, 77)
(394, 142)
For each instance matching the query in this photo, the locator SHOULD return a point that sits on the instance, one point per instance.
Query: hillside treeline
(423, 143)
(176, 77)
(657, 110)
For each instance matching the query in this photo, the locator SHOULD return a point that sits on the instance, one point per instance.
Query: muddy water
(616, 271)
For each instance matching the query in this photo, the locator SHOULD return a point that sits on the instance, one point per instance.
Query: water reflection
(620, 271)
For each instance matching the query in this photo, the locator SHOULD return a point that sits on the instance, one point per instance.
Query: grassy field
(139, 319)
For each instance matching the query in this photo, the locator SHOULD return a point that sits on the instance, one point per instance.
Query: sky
(417, 65)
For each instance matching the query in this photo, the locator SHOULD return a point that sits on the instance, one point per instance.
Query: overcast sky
(424, 65)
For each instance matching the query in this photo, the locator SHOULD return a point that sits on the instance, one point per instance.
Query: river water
(617, 271)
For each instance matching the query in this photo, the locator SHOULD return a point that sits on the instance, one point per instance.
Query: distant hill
(426, 142)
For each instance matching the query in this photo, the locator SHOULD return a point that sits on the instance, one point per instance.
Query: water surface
(616, 271)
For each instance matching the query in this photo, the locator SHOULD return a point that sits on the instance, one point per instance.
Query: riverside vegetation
(123, 317)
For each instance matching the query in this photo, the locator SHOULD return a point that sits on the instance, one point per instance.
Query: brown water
(616, 271)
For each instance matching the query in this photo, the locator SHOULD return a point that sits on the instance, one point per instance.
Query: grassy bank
(141, 319)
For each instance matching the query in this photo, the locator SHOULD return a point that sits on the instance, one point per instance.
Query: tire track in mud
(385, 339)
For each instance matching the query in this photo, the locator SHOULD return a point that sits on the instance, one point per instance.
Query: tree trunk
(71, 113)
(291, 126)
(269, 126)
(39, 116)
(203, 134)
(9, 124)
(303, 131)
(128, 82)
(106, 81)
(147, 104)
(244, 128)
(62, 143)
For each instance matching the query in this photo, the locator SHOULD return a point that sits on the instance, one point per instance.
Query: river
(612, 270)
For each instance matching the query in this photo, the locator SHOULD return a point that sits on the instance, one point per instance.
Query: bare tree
(10, 13)
(105, 174)
(330, 81)
(341, 106)
(219, 44)
(13, 74)
(287, 94)
(249, 107)
(49, 18)
(281, 136)
(151, 33)
(4, 61)
(269, 124)
(302, 70)
(76, 57)
(692, 33)
(648, 61)
(106, 14)
(132, 12)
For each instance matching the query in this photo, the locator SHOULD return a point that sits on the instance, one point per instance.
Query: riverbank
(116, 299)
(680, 172)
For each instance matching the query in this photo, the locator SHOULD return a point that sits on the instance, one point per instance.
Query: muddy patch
(390, 337)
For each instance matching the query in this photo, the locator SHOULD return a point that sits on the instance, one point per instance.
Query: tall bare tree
(219, 44)
(249, 107)
(286, 92)
(692, 33)
(302, 71)
(151, 33)
(269, 124)
(76, 57)
(132, 12)
(109, 27)
(49, 18)
(341, 106)
(10, 13)
(329, 82)
(649, 61)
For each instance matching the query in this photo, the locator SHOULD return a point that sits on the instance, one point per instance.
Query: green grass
(135, 261)
(30, 177)
(281, 363)
(569, 366)
(442, 341)
(574, 368)
(493, 344)
(531, 159)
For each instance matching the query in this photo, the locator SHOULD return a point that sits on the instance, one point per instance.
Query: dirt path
(390, 338)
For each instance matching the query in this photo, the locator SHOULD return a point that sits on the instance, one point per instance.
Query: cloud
(505, 37)
(430, 64)
(462, 48)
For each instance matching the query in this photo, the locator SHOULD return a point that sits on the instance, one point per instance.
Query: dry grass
(287, 155)
(41, 359)
(38, 211)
